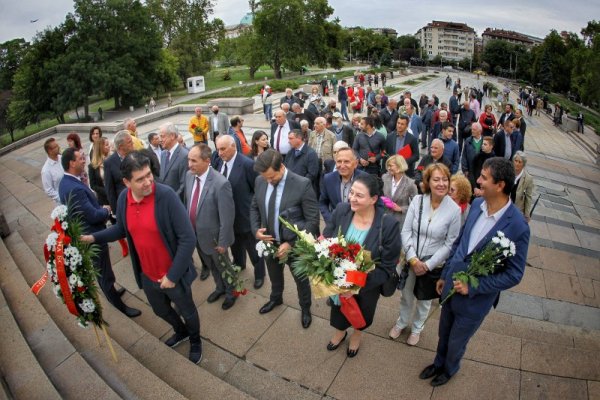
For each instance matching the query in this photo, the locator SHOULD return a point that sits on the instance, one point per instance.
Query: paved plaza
(542, 342)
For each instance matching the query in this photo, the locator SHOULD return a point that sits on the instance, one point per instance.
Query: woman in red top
(487, 120)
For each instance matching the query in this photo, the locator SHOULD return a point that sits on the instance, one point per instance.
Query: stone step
(20, 369)
(53, 353)
(127, 378)
(170, 366)
(220, 362)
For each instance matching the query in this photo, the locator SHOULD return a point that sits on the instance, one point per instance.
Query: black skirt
(367, 302)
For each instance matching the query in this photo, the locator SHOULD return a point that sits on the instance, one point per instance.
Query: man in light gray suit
(280, 192)
(209, 202)
(218, 123)
(173, 159)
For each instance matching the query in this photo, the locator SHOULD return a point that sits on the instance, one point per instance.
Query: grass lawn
(30, 130)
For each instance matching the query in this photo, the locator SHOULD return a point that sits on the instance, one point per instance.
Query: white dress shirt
(284, 143)
(229, 165)
(484, 224)
(52, 173)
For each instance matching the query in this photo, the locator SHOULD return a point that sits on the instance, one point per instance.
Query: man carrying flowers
(198, 127)
(488, 257)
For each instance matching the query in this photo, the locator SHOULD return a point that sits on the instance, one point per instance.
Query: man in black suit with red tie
(239, 170)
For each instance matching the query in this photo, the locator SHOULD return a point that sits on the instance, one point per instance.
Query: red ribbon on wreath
(358, 278)
(59, 260)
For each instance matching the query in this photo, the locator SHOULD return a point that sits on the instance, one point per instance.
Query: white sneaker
(395, 332)
(413, 339)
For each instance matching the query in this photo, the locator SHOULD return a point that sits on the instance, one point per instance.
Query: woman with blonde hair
(431, 226)
(100, 152)
(398, 187)
(460, 191)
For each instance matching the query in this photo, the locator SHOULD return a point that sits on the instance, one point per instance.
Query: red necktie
(194, 203)
(278, 138)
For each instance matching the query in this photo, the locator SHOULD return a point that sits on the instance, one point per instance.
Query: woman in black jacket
(363, 220)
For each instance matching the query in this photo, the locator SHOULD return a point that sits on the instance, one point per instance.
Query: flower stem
(447, 297)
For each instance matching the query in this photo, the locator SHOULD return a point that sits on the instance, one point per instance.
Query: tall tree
(11, 55)
(293, 32)
(188, 33)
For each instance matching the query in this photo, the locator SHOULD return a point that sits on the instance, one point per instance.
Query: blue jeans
(268, 109)
(344, 109)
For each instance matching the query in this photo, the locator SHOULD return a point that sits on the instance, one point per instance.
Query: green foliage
(11, 56)
(294, 33)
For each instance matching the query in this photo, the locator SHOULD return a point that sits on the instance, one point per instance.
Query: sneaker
(395, 332)
(195, 352)
(176, 339)
(413, 339)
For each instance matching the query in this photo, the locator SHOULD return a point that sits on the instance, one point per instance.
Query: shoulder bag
(425, 284)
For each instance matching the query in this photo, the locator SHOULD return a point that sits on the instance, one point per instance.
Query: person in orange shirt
(198, 127)
(236, 129)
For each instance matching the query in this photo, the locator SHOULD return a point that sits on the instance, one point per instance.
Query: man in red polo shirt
(161, 242)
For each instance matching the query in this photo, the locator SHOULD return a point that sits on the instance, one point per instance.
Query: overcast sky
(529, 17)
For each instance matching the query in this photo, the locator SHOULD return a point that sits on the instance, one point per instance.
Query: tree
(293, 32)
(188, 33)
(406, 47)
(11, 55)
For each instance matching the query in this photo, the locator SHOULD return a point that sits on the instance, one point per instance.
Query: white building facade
(451, 40)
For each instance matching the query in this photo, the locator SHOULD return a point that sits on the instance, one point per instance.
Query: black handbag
(389, 286)
(425, 284)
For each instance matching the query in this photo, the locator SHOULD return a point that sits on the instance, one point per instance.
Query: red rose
(81, 289)
(371, 154)
(420, 168)
(193, 126)
(244, 292)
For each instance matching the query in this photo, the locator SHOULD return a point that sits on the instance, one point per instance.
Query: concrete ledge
(233, 105)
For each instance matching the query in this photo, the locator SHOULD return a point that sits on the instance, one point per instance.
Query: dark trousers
(211, 261)
(276, 277)
(461, 139)
(456, 329)
(245, 242)
(181, 295)
(106, 279)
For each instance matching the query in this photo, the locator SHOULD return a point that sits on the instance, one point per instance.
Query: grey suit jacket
(215, 213)
(173, 173)
(402, 197)
(222, 124)
(298, 192)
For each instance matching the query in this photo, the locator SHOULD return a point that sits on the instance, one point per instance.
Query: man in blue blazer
(464, 312)
(113, 180)
(161, 242)
(173, 160)
(82, 202)
(400, 138)
(503, 137)
(302, 159)
(335, 186)
(239, 170)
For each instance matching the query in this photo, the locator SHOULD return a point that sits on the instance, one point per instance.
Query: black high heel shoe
(352, 353)
(332, 347)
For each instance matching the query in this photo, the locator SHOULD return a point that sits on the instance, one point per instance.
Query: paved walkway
(542, 342)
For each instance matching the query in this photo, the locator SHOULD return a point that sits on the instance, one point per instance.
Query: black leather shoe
(195, 352)
(440, 380)
(204, 274)
(176, 339)
(258, 283)
(352, 353)
(332, 347)
(306, 318)
(430, 371)
(269, 306)
(214, 296)
(131, 312)
(121, 292)
(228, 303)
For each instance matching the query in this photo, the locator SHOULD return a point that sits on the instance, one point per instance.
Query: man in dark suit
(302, 159)
(83, 203)
(279, 192)
(389, 115)
(398, 139)
(464, 312)
(113, 180)
(454, 106)
(335, 186)
(239, 170)
(343, 99)
(210, 204)
(505, 142)
(173, 163)
(279, 132)
(161, 239)
(507, 115)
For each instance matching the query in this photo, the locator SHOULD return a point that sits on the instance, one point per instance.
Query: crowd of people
(164, 200)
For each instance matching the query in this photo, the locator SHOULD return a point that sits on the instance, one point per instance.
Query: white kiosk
(195, 84)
